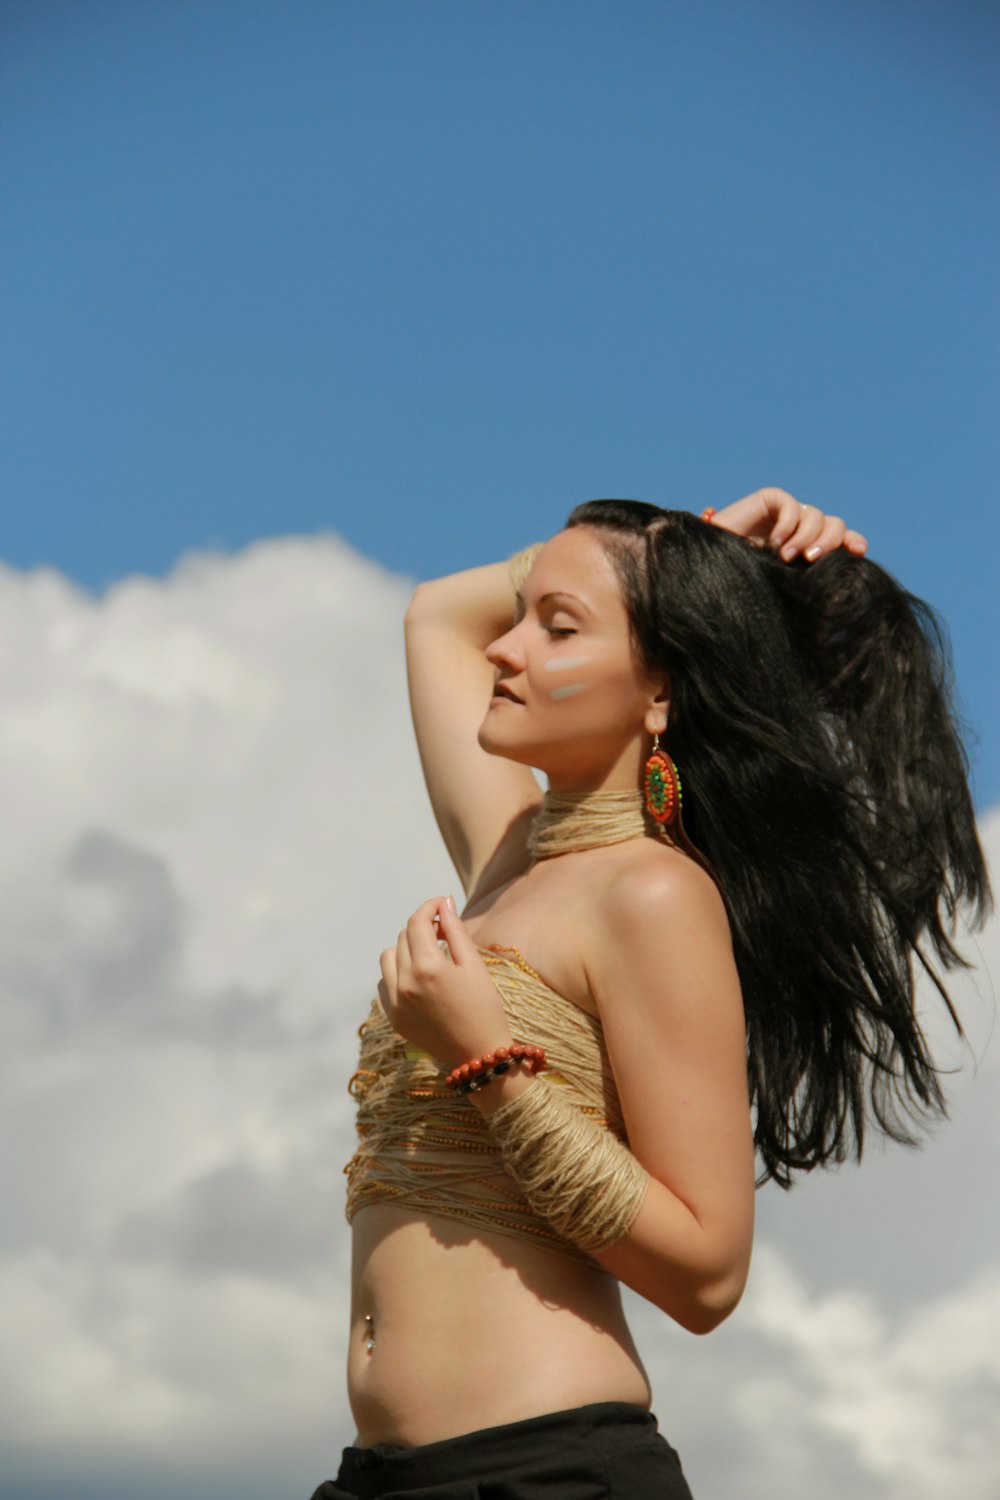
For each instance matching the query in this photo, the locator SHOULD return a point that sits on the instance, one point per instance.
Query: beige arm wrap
(520, 564)
(574, 1172)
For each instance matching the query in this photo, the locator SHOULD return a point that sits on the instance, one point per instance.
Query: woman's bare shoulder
(654, 874)
(655, 903)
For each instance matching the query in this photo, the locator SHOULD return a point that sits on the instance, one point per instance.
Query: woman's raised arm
(483, 804)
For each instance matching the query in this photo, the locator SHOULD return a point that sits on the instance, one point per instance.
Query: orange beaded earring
(662, 786)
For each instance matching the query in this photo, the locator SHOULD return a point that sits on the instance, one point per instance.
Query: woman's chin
(487, 740)
(495, 743)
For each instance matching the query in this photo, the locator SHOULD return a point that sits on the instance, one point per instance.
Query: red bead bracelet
(708, 513)
(469, 1077)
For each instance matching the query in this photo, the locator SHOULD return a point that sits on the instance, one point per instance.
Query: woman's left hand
(447, 1006)
(773, 518)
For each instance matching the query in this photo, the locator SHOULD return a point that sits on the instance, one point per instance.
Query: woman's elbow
(711, 1302)
(710, 1312)
(420, 605)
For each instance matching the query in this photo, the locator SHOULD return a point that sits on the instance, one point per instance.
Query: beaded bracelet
(708, 513)
(469, 1077)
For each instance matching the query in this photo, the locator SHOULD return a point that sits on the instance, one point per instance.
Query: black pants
(609, 1451)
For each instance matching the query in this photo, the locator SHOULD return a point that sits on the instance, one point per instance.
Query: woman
(651, 985)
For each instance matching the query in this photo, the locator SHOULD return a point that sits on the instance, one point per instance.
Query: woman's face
(583, 712)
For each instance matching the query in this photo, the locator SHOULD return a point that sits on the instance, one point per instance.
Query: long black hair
(826, 782)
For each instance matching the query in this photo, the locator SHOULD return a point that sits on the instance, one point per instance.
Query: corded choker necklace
(569, 821)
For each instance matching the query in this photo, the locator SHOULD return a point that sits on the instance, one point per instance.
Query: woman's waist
(481, 1391)
(425, 1267)
(497, 1329)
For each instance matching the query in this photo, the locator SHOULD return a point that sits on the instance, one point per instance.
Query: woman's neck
(570, 821)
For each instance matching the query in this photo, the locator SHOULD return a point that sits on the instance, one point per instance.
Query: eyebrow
(562, 594)
(559, 594)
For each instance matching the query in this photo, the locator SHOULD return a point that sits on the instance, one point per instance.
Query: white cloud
(214, 822)
(913, 1402)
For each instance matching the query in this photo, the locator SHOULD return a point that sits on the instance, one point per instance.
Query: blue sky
(427, 274)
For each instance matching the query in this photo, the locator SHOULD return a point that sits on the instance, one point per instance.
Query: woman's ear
(658, 713)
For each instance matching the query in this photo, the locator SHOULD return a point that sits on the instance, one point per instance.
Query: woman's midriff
(454, 1328)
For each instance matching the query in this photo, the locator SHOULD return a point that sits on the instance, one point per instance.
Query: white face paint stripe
(567, 691)
(564, 663)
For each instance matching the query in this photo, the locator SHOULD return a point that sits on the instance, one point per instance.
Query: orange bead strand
(475, 1074)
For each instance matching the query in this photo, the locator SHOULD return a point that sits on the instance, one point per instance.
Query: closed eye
(560, 630)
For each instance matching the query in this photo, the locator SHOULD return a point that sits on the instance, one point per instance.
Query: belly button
(370, 1330)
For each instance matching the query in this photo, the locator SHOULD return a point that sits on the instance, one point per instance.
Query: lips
(501, 691)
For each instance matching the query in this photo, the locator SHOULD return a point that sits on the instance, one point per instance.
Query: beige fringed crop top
(423, 1147)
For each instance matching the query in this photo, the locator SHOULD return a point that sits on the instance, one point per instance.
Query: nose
(505, 651)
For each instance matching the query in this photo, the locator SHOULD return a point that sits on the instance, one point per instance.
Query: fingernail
(789, 553)
(449, 902)
(813, 552)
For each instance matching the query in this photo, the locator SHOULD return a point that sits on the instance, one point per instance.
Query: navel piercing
(371, 1332)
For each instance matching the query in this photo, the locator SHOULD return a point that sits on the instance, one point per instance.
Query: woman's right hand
(774, 518)
(444, 1003)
